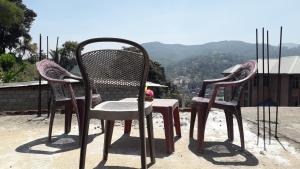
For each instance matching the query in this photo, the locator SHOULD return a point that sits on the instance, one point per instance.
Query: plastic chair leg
(107, 138)
(192, 123)
(143, 142)
(52, 115)
(229, 123)
(151, 137)
(240, 124)
(102, 126)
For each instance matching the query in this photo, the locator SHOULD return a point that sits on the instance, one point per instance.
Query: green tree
(33, 53)
(7, 62)
(23, 46)
(15, 23)
(156, 74)
(67, 55)
(10, 14)
(68, 49)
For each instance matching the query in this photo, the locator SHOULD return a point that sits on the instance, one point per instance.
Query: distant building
(290, 88)
(181, 80)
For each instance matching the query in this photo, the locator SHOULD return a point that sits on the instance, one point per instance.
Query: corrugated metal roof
(289, 65)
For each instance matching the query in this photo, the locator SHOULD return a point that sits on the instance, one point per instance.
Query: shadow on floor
(224, 153)
(133, 146)
(59, 144)
(101, 165)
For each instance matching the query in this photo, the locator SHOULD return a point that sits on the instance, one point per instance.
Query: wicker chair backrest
(111, 70)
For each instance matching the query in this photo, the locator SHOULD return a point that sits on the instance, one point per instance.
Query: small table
(169, 108)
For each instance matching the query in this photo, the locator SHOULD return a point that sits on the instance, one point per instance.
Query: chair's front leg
(238, 116)
(102, 125)
(193, 118)
(143, 142)
(151, 137)
(107, 138)
(229, 123)
(81, 112)
(52, 115)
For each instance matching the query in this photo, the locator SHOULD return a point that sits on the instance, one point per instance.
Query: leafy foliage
(10, 67)
(16, 20)
(7, 61)
(10, 14)
(29, 72)
(67, 55)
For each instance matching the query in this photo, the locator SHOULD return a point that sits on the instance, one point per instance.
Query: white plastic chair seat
(119, 110)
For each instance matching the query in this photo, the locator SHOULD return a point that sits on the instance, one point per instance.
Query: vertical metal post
(269, 90)
(278, 84)
(56, 59)
(263, 85)
(47, 48)
(48, 91)
(40, 87)
(257, 88)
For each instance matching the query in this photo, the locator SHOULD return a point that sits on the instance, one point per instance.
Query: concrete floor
(24, 145)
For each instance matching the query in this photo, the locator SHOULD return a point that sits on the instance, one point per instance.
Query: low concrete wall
(23, 96)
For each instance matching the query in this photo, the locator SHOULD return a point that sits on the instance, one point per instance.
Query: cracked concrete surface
(24, 144)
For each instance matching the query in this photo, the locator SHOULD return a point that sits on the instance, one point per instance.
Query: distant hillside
(290, 45)
(169, 54)
(200, 62)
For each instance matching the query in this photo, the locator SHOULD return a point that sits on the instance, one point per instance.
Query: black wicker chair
(121, 70)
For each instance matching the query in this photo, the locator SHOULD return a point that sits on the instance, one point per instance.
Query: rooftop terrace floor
(24, 144)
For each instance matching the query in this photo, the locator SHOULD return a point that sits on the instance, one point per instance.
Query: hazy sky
(167, 21)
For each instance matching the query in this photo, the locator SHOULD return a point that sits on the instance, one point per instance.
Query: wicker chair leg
(52, 114)
(229, 123)
(107, 138)
(150, 137)
(192, 123)
(238, 116)
(143, 142)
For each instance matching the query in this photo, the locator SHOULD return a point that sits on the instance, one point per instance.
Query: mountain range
(209, 59)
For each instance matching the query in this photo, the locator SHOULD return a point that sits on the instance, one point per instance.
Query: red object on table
(169, 108)
(149, 93)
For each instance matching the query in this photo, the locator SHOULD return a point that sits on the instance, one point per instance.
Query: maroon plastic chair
(63, 94)
(201, 105)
